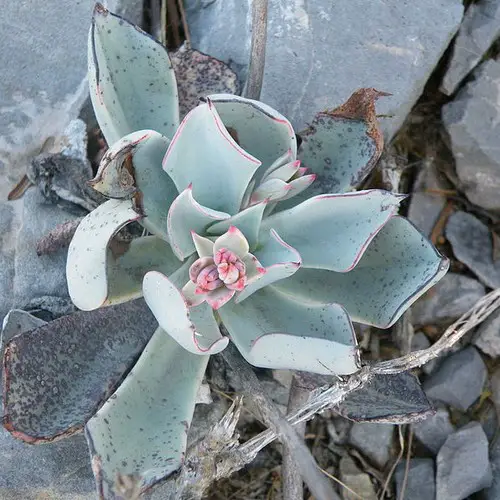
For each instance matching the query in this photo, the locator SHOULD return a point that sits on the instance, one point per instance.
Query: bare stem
(293, 488)
(258, 50)
(271, 416)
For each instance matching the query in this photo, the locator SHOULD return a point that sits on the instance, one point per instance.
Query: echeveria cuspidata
(244, 232)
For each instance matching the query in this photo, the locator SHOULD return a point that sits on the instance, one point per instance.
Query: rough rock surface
(355, 479)
(45, 87)
(329, 49)
(453, 296)
(493, 492)
(472, 120)
(421, 484)
(479, 29)
(463, 466)
(472, 244)
(39, 218)
(16, 322)
(7, 250)
(459, 379)
(434, 430)
(487, 336)
(373, 440)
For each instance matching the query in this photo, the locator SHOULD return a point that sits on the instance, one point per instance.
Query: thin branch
(396, 462)
(407, 465)
(185, 26)
(293, 488)
(271, 416)
(257, 50)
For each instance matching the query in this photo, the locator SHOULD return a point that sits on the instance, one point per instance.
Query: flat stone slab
(463, 466)
(479, 29)
(44, 64)
(487, 336)
(445, 302)
(434, 430)
(459, 380)
(319, 52)
(472, 245)
(421, 481)
(373, 440)
(473, 121)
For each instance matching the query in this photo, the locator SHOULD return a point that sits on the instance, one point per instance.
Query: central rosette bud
(223, 268)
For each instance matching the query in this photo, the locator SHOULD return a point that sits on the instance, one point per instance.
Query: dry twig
(293, 488)
(257, 50)
(253, 390)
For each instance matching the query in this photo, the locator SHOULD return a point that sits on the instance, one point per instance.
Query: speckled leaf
(278, 261)
(186, 216)
(126, 272)
(259, 129)
(199, 75)
(195, 328)
(341, 146)
(395, 399)
(273, 330)
(247, 221)
(203, 154)
(142, 428)
(398, 267)
(332, 231)
(88, 253)
(55, 377)
(132, 83)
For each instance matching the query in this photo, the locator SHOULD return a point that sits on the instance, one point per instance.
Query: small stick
(257, 50)
(187, 42)
(293, 488)
(315, 480)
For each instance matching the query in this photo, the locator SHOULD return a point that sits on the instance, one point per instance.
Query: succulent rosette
(244, 230)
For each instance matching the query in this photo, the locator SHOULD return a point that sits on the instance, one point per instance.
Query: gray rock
(419, 342)
(421, 482)
(434, 430)
(473, 122)
(319, 52)
(43, 83)
(355, 479)
(7, 249)
(453, 296)
(16, 322)
(462, 464)
(459, 380)
(495, 389)
(425, 206)
(48, 307)
(479, 29)
(487, 417)
(493, 492)
(487, 336)
(373, 441)
(472, 245)
(56, 471)
(45, 275)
